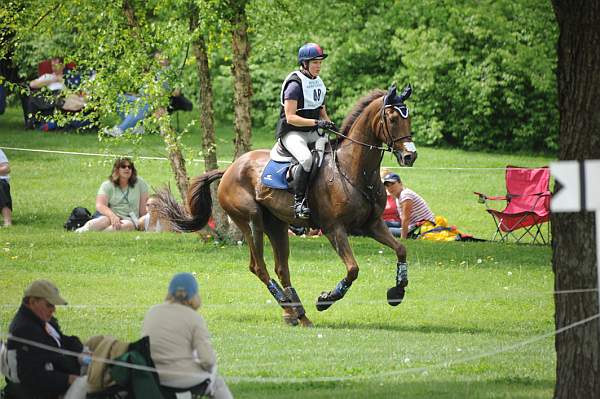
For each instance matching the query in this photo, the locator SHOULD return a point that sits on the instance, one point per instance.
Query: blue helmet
(310, 51)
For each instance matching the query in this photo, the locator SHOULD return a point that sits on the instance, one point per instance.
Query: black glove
(324, 124)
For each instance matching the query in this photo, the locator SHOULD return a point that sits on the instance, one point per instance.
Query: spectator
(180, 341)
(54, 81)
(151, 221)
(5, 198)
(411, 208)
(120, 200)
(133, 108)
(39, 373)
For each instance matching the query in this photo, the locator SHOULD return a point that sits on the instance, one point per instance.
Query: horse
(346, 195)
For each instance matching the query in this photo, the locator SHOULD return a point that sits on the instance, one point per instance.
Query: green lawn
(466, 306)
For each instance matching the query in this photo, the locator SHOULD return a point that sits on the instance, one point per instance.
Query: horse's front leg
(380, 232)
(339, 240)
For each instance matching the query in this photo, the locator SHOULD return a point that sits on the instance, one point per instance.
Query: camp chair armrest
(483, 197)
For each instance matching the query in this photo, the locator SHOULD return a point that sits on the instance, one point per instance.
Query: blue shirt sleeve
(292, 91)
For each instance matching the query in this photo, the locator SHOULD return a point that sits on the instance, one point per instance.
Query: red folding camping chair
(527, 205)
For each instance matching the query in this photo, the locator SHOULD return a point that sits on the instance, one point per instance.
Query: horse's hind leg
(277, 232)
(252, 228)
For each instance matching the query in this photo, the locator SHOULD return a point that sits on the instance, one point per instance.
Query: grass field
(457, 335)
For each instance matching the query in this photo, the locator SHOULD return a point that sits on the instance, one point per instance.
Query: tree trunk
(176, 159)
(573, 237)
(242, 80)
(225, 230)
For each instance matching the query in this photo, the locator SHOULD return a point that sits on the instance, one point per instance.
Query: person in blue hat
(180, 342)
(302, 118)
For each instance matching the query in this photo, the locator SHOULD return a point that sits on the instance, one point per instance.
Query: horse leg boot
(301, 209)
(283, 300)
(395, 295)
(292, 295)
(326, 299)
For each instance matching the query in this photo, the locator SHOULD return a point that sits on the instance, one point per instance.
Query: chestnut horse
(346, 195)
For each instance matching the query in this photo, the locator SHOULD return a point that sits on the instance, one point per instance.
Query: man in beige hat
(41, 373)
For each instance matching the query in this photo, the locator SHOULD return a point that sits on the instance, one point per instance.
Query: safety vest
(309, 104)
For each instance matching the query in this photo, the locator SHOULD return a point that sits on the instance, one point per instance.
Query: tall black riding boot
(300, 203)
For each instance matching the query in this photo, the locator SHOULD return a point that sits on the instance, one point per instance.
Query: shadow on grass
(517, 387)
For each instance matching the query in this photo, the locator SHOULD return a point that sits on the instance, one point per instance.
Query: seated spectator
(180, 341)
(36, 372)
(120, 200)
(43, 104)
(5, 198)
(411, 208)
(133, 108)
(151, 221)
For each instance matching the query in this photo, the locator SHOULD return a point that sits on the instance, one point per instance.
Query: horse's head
(395, 126)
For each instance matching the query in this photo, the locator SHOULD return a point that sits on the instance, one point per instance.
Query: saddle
(280, 174)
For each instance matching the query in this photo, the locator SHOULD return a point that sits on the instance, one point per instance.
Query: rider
(302, 118)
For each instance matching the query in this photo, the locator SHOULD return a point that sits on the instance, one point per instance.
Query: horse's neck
(361, 159)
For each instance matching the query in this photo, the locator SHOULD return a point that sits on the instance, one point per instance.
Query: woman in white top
(180, 342)
(412, 208)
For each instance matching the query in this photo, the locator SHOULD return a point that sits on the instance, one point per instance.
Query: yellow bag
(440, 231)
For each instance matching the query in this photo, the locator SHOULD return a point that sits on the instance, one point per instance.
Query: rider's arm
(323, 113)
(290, 107)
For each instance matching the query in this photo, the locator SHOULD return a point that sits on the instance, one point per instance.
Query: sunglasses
(126, 166)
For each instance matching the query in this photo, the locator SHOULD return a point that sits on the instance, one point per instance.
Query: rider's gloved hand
(325, 124)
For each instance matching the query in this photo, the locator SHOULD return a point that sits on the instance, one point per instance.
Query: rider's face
(314, 67)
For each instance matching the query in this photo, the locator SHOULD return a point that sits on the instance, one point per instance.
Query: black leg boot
(300, 203)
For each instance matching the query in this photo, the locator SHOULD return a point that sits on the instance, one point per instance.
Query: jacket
(42, 373)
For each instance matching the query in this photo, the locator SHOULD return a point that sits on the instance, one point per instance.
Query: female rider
(302, 116)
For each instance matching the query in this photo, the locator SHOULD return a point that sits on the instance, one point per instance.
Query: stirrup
(301, 210)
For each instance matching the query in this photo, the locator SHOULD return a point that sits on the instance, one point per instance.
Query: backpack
(78, 217)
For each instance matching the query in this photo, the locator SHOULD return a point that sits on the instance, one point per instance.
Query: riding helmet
(310, 51)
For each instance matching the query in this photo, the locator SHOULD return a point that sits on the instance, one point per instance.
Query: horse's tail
(199, 204)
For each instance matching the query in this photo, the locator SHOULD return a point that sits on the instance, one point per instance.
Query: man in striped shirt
(412, 209)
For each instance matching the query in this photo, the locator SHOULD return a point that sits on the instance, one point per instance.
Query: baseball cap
(45, 289)
(391, 178)
(184, 286)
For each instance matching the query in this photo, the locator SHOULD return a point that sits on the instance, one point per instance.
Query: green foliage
(483, 72)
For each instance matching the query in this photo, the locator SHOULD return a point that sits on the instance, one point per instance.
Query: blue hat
(183, 286)
(391, 178)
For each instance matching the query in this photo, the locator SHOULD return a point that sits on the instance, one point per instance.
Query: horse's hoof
(395, 295)
(323, 301)
(290, 320)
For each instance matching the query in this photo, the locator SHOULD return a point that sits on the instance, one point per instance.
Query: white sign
(580, 183)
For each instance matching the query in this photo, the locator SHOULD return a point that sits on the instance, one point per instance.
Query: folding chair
(527, 205)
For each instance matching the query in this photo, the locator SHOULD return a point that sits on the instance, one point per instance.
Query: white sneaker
(83, 229)
(114, 131)
(138, 129)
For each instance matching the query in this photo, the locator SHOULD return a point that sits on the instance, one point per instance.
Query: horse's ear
(406, 92)
(391, 94)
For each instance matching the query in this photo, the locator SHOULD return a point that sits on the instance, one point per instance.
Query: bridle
(384, 120)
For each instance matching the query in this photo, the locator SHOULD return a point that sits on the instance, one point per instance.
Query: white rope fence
(276, 380)
(91, 154)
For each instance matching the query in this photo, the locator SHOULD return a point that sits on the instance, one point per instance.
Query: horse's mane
(356, 111)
